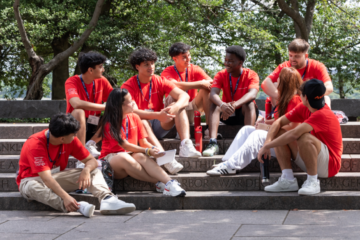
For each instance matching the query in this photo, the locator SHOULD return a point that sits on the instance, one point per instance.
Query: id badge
(55, 170)
(149, 110)
(94, 120)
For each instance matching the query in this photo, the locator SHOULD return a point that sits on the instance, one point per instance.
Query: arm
(329, 87)
(202, 84)
(182, 101)
(76, 103)
(226, 108)
(162, 116)
(248, 97)
(69, 202)
(269, 88)
(137, 149)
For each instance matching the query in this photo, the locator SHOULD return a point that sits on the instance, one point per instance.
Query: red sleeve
(275, 74)
(71, 89)
(167, 74)
(168, 86)
(38, 158)
(141, 129)
(254, 80)
(107, 89)
(297, 114)
(323, 74)
(315, 121)
(218, 81)
(293, 103)
(78, 150)
(200, 74)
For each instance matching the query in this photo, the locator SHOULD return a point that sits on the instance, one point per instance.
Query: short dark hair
(62, 124)
(298, 45)
(90, 60)
(141, 55)
(178, 48)
(238, 51)
(302, 86)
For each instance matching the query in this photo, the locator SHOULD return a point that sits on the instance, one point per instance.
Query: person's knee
(139, 157)
(248, 107)
(304, 140)
(33, 188)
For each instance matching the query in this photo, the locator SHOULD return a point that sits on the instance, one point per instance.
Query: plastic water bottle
(265, 173)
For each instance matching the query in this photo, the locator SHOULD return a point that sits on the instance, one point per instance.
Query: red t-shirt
(195, 73)
(74, 88)
(160, 87)
(249, 79)
(291, 105)
(136, 131)
(315, 69)
(326, 128)
(34, 155)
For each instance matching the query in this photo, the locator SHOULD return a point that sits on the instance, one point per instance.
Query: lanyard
(307, 63)
(86, 91)
(138, 81)
(236, 86)
(186, 78)
(127, 128)
(48, 140)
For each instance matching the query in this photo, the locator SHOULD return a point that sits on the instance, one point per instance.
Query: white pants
(245, 147)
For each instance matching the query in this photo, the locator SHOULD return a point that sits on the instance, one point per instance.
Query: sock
(90, 142)
(312, 177)
(168, 182)
(213, 140)
(287, 174)
(183, 142)
(107, 197)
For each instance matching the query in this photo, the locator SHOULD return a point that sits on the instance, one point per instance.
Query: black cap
(314, 90)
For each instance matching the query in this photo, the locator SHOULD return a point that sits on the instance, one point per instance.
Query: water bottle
(265, 173)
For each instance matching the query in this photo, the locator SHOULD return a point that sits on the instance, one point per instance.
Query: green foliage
(24, 120)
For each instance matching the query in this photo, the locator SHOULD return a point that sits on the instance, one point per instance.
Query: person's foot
(173, 189)
(114, 206)
(91, 147)
(283, 185)
(173, 167)
(86, 209)
(211, 150)
(221, 169)
(160, 186)
(188, 150)
(310, 187)
(207, 134)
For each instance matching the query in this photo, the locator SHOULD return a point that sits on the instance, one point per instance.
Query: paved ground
(187, 224)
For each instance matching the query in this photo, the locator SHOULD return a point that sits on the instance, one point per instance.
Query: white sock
(287, 174)
(312, 177)
(183, 141)
(90, 141)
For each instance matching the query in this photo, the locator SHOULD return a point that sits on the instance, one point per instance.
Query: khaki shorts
(190, 108)
(322, 162)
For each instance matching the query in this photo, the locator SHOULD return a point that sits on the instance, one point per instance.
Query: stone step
(214, 200)
(25, 130)
(350, 163)
(202, 182)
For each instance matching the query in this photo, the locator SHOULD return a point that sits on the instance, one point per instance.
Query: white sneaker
(310, 187)
(91, 147)
(160, 186)
(283, 185)
(188, 150)
(173, 167)
(221, 169)
(86, 209)
(173, 189)
(114, 206)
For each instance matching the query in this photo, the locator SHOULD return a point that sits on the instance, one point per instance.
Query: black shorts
(238, 119)
(91, 130)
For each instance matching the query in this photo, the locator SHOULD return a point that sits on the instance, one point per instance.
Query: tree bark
(341, 83)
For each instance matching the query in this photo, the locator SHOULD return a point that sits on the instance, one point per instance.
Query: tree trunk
(341, 83)
(61, 71)
(35, 62)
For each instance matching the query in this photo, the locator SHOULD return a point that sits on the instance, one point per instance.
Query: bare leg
(182, 125)
(202, 102)
(123, 165)
(151, 167)
(249, 112)
(214, 120)
(151, 136)
(284, 153)
(309, 148)
(79, 114)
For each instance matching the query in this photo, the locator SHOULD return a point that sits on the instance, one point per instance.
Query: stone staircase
(241, 191)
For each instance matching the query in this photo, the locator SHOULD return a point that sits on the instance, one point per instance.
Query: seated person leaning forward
(42, 176)
(148, 90)
(120, 145)
(250, 139)
(237, 107)
(85, 95)
(315, 145)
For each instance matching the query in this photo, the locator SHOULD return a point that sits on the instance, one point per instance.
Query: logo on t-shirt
(72, 91)
(39, 161)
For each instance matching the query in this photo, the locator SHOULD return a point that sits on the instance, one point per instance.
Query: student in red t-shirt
(120, 146)
(42, 175)
(148, 91)
(315, 145)
(250, 139)
(308, 69)
(237, 106)
(85, 95)
(189, 78)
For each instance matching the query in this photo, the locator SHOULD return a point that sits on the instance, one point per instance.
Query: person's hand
(71, 204)
(84, 179)
(262, 120)
(155, 153)
(172, 109)
(165, 117)
(227, 108)
(206, 84)
(263, 151)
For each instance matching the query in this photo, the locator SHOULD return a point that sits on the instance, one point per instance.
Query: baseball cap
(314, 90)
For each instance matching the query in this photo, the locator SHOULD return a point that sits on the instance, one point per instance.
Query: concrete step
(215, 200)
(202, 182)
(24, 130)
(350, 163)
